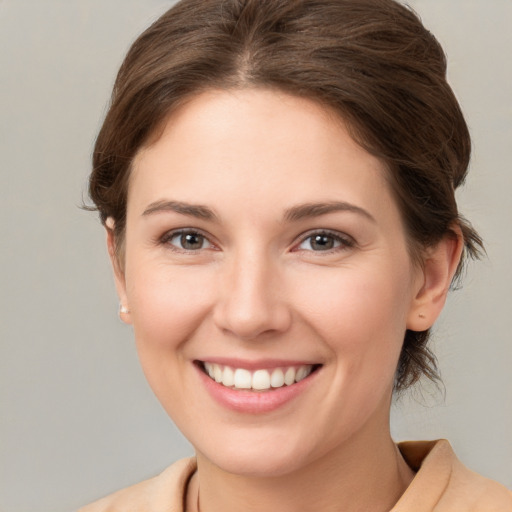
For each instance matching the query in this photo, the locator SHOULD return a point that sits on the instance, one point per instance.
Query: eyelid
(169, 235)
(346, 241)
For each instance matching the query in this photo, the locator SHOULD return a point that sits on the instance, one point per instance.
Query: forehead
(261, 147)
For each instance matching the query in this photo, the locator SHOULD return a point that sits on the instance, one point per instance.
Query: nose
(252, 301)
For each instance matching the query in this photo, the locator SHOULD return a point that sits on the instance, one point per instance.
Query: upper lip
(259, 364)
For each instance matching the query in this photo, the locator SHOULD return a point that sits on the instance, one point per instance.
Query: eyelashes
(194, 241)
(187, 241)
(324, 241)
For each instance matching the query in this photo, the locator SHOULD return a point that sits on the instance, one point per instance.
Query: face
(264, 247)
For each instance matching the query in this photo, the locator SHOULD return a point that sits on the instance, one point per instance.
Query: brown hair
(372, 61)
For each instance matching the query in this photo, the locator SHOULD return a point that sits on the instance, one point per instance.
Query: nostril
(246, 321)
(250, 296)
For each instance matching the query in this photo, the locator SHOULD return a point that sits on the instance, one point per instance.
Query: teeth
(259, 380)
(209, 368)
(302, 373)
(217, 373)
(277, 378)
(228, 377)
(289, 376)
(243, 379)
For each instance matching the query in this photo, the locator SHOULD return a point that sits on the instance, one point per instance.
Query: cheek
(360, 316)
(360, 313)
(356, 300)
(168, 307)
(168, 303)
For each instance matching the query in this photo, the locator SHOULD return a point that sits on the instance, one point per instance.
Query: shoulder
(444, 484)
(163, 492)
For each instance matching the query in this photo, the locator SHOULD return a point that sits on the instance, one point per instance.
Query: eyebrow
(193, 210)
(307, 210)
(296, 213)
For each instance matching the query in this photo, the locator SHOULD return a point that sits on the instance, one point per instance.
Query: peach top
(442, 484)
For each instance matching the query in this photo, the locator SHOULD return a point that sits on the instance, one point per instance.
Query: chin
(262, 457)
(255, 465)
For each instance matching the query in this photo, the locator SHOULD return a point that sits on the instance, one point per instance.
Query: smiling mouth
(257, 380)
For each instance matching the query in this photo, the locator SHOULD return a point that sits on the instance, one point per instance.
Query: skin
(255, 288)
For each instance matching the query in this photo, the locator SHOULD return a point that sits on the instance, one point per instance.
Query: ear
(439, 267)
(124, 308)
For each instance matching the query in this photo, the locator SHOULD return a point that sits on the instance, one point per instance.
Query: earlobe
(439, 267)
(119, 278)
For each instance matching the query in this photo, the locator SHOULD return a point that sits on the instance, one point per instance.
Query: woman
(277, 184)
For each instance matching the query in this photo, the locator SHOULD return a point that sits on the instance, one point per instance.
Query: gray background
(77, 419)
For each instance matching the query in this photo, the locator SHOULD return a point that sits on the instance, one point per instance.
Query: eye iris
(322, 242)
(191, 241)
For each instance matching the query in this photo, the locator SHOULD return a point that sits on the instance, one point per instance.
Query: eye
(324, 241)
(187, 240)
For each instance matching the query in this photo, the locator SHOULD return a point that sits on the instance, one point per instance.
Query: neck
(366, 473)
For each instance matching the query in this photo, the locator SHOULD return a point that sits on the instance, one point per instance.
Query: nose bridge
(251, 300)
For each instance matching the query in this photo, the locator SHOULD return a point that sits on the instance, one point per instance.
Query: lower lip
(254, 402)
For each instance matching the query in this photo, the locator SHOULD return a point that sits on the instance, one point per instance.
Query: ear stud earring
(123, 309)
